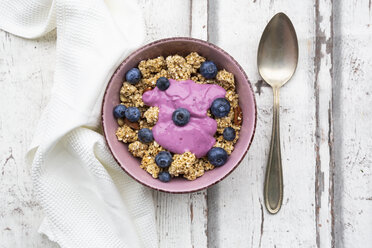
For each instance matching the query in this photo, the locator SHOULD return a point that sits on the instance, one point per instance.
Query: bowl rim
(132, 54)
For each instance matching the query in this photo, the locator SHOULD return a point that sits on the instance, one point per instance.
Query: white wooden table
(326, 129)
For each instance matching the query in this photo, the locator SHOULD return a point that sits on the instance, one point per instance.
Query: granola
(126, 134)
(194, 59)
(151, 66)
(187, 165)
(151, 115)
(137, 148)
(226, 80)
(148, 164)
(178, 68)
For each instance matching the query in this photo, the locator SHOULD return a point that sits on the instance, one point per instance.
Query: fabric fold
(28, 19)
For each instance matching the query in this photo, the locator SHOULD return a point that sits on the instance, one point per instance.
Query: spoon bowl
(278, 51)
(277, 59)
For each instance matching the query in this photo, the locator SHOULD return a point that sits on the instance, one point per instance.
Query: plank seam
(317, 129)
(190, 18)
(262, 224)
(207, 20)
(331, 168)
(320, 39)
(330, 137)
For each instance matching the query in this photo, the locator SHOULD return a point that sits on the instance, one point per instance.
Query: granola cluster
(179, 68)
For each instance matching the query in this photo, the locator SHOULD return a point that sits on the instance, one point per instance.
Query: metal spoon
(277, 61)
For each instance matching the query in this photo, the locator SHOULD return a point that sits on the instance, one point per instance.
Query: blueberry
(181, 117)
(133, 76)
(220, 107)
(145, 135)
(229, 133)
(119, 111)
(208, 69)
(164, 176)
(162, 83)
(132, 114)
(217, 156)
(163, 159)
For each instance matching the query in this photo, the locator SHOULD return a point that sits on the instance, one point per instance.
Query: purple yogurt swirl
(197, 135)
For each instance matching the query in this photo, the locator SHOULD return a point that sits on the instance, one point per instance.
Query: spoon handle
(273, 188)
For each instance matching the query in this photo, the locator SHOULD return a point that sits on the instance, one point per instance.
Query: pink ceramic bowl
(181, 46)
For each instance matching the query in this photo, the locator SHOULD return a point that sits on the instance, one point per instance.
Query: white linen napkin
(87, 199)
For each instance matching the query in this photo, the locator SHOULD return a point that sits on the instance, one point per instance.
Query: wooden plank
(164, 19)
(323, 73)
(237, 217)
(26, 76)
(182, 219)
(352, 123)
(199, 19)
